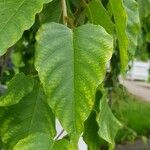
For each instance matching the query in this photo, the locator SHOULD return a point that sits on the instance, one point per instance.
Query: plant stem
(64, 11)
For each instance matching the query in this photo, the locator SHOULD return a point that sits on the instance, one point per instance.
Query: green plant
(56, 56)
(129, 110)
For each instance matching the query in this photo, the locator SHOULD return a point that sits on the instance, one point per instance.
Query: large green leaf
(41, 141)
(97, 14)
(120, 18)
(133, 24)
(30, 116)
(18, 87)
(15, 17)
(71, 64)
(108, 124)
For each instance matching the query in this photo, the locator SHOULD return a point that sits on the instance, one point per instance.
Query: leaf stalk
(64, 11)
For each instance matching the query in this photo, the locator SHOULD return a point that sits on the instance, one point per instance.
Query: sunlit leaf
(18, 87)
(71, 64)
(31, 115)
(16, 16)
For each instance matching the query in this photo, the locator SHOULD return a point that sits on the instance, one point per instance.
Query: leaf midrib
(73, 58)
(34, 110)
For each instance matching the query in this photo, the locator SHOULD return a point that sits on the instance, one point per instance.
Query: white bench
(139, 71)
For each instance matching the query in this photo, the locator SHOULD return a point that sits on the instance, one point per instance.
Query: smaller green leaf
(120, 18)
(18, 87)
(133, 25)
(144, 6)
(90, 135)
(108, 124)
(51, 12)
(30, 116)
(99, 15)
(41, 141)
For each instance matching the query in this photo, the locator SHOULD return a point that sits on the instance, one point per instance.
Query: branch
(64, 11)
